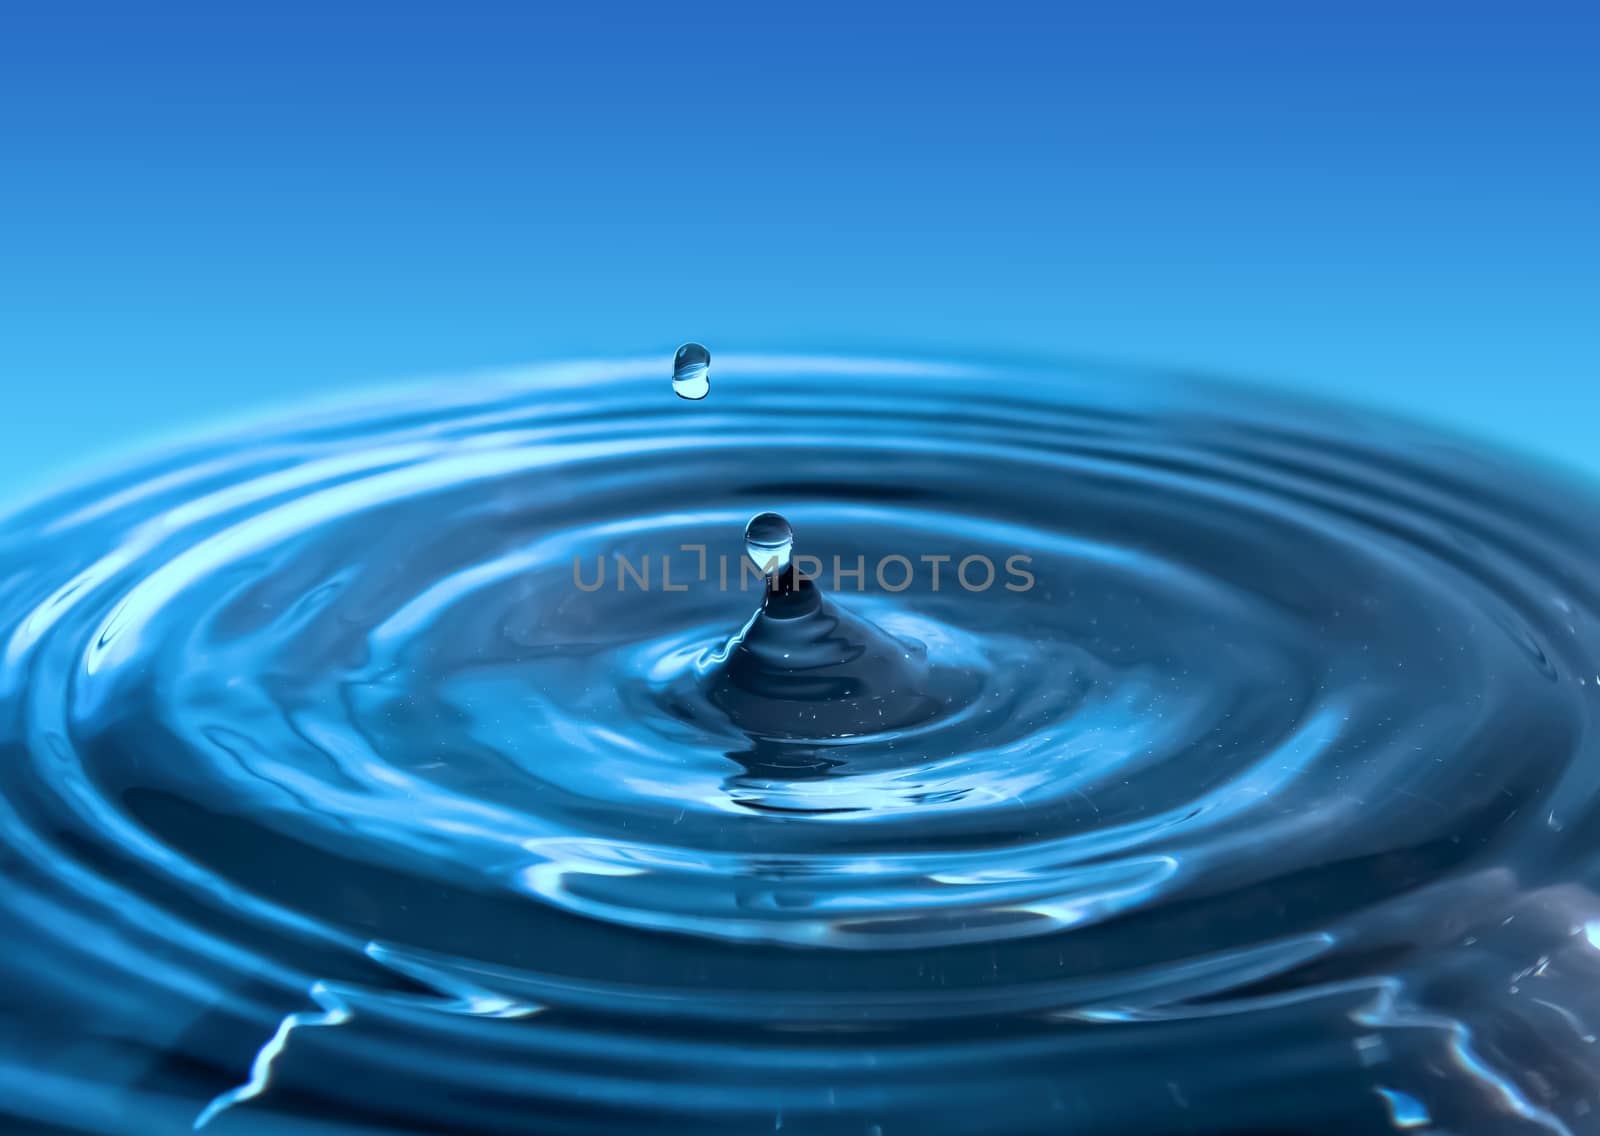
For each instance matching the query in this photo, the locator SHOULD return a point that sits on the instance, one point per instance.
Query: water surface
(329, 802)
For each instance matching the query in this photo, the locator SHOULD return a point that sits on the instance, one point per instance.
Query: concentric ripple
(332, 801)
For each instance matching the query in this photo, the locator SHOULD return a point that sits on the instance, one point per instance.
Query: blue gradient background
(210, 209)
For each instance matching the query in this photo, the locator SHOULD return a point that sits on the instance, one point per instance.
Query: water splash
(1289, 755)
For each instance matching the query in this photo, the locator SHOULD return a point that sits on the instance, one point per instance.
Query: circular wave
(1254, 791)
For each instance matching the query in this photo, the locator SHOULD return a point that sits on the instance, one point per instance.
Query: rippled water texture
(330, 804)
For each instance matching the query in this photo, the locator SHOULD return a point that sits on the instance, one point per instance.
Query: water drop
(691, 371)
(768, 540)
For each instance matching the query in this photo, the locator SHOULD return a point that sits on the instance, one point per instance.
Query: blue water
(330, 801)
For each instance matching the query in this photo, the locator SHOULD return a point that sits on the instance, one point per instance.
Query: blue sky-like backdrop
(209, 209)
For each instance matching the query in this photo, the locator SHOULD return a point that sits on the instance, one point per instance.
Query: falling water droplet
(691, 371)
(768, 540)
